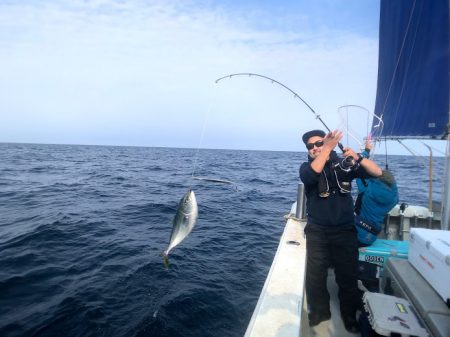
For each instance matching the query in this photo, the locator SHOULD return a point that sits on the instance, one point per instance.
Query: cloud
(118, 68)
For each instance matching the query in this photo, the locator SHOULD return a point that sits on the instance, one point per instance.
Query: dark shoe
(351, 324)
(316, 319)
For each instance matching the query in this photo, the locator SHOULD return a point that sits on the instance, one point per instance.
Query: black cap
(312, 133)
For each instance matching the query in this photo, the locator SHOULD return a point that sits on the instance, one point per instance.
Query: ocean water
(82, 227)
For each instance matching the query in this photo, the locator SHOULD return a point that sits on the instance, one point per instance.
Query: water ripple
(82, 228)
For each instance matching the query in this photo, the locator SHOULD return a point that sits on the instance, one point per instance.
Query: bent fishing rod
(287, 88)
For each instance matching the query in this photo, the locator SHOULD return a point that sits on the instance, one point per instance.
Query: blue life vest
(375, 199)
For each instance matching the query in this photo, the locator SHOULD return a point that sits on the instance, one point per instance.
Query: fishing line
(202, 133)
(287, 88)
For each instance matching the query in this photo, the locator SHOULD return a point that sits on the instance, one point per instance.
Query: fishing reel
(347, 164)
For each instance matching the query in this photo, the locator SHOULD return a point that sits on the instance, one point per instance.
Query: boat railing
(280, 307)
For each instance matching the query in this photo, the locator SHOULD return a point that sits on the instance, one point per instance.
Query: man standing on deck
(330, 231)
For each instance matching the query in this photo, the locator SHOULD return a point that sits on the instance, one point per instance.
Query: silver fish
(183, 223)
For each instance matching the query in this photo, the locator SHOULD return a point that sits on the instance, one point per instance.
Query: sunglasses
(318, 143)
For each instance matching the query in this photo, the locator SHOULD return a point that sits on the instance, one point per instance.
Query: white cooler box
(429, 253)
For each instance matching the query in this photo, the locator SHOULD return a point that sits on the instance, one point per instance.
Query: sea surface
(82, 229)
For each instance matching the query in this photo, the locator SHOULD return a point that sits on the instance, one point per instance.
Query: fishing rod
(287, 88)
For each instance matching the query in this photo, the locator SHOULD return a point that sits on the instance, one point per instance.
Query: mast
(413, 77)
(445, 211)
(445, 220)
(445, 207)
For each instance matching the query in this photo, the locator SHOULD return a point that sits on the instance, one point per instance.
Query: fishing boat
(413, 102)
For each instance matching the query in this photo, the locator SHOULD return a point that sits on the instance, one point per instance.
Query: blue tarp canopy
(413, 69)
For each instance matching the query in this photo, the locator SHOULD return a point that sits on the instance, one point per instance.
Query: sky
(142, 73)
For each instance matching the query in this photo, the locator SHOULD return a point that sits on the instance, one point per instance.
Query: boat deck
(333, 327)
(282, 306)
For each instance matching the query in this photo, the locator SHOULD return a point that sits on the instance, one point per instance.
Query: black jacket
(337, 208)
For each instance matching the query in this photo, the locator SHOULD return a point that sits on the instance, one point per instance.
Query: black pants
(338, 247)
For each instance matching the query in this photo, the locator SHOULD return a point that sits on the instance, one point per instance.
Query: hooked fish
(183, 223)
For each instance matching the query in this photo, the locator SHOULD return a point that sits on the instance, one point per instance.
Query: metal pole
(300, 210)
(445, 211)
